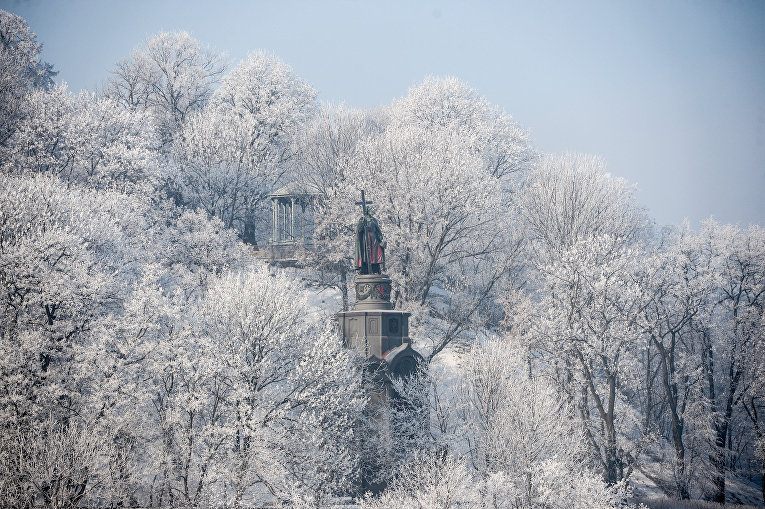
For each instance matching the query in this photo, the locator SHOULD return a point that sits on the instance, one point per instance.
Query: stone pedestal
(380, 334)
(372, 292)
(373, 328)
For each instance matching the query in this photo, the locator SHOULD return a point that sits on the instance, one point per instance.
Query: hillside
(574, 351)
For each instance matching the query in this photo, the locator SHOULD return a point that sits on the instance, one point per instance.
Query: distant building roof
(294, 189)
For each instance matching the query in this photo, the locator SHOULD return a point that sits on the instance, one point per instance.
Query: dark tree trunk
(344, 284)
(750, 407)
(717, 457)
(718, 461)
(649, 391)
(612, 461)
(723, 432)
(761, 440)
(667, 357)
(607, 416)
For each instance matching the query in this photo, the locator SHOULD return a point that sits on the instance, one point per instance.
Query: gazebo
(292, 222)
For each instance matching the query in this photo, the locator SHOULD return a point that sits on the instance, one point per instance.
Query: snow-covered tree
(513, 442)
(55, 465)
(571, 198)
(520, 430)
(440, 104)
(429, 481)
(753, 399)
(269, 100)
(587, 324)
(169, 76)
(679, 284)
(733, 329)
(295, 390)
(62, 254)
(231, 154)
(327, 144)
(253, 400)
(21, 70)
(86, 140)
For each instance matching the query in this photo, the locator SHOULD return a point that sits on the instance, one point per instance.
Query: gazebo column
(284, 221)
(292, 219)
(279, 220)
(302, 223)
(274, 224)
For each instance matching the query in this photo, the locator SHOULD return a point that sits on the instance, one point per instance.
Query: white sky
(671, 93)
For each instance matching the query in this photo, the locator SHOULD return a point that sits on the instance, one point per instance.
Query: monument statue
(379, 334)
(370, 244)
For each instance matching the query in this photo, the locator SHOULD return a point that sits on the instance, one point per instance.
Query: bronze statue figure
(370, 245)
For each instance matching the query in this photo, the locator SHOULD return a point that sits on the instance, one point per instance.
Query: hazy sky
(670, 93)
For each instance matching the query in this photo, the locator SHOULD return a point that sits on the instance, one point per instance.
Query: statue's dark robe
(369, 249)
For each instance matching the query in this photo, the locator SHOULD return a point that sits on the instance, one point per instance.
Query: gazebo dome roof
(293, 189)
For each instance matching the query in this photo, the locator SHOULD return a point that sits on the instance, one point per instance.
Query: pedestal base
(380, 334)
(374, 332)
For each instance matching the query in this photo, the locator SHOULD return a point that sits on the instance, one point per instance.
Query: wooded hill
(148, 358)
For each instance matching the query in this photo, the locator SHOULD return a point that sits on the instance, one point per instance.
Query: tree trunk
(759, 434)
(670, 388)
(716, 458)
(723, 432)
(612, 463)
(762, 458)
(344, 284)
(649, 390)
(607, 417)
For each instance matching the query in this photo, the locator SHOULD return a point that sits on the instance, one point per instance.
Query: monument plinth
(380, 334)
(373, 292)
(373, 328)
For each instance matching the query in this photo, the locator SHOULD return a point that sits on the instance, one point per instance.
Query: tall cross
(364, 204)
